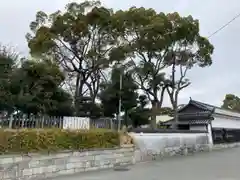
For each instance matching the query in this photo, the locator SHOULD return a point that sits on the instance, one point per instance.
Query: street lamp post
(120, 102)
(120, 96)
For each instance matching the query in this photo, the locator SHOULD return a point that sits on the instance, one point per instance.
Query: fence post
(22, 122)
(111, 124)
(11, 121)
(61, 122)
(42, 121)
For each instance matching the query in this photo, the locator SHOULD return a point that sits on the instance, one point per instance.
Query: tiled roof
(215, 109)
(204, 121)
(194, 114)
(203, 105)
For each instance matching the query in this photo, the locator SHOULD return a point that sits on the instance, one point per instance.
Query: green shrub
(53, 140)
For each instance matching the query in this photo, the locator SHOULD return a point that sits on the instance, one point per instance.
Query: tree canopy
(33, 88)
(111, 92)
(7, 64)
(79, 55)
(155, 41)
(231, 102)
(79, 39)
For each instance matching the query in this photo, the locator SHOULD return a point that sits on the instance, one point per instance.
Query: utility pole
(120, 102)
(120, 96)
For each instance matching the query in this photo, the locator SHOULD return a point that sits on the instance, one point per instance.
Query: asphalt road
(220, 165)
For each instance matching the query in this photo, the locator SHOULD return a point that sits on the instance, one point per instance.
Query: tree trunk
(77, 89)
(173, 95)
(78, 92)
(153, 117)
(175, 113)
(126, 118)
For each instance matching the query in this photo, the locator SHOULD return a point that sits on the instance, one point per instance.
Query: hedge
(53, 140)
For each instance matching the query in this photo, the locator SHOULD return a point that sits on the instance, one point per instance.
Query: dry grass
(126, 139)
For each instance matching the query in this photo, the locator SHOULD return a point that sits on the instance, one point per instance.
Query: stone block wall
(225, 146)
(38, 167)
(45, 166)
(148, 155)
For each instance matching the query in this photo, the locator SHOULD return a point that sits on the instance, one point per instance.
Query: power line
(225, 25)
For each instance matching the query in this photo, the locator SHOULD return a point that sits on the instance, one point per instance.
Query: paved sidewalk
(220, 165)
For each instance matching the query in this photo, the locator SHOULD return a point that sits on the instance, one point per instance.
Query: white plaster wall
(210, 138)
(156, 142)
(230, 113)
(198, 127)
(221, 122)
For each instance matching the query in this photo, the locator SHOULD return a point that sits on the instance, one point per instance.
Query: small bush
(53, 140)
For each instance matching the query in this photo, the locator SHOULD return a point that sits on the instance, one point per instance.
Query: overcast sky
(208, 85)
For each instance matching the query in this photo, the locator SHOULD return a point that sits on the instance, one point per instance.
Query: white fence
(16, 122)
(75, 123)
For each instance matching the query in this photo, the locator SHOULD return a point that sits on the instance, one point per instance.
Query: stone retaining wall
(225, 146)
(148, 155)
(45, 166)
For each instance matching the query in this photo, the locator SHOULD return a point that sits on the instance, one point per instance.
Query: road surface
(220, 165)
